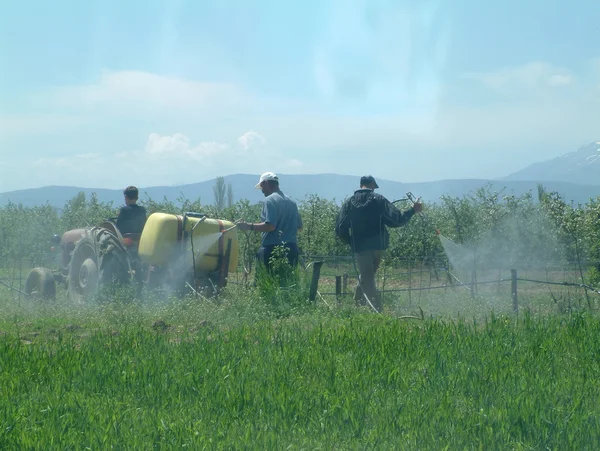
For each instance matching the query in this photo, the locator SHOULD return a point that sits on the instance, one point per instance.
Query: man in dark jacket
(132, 217)
(362, 223)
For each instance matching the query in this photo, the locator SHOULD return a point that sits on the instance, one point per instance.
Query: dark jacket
(363, 218)
(131, 219)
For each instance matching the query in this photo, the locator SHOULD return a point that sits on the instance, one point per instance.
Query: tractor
(180, 253)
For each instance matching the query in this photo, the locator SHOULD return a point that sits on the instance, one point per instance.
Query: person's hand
(418, 206)
(243, 225)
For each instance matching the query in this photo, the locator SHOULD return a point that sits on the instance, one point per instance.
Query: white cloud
(563, 110)
(19, 124)
(167, 159)
(560, 80)
(532, 74)
(537, 123)
(251, 140)
(72, 162)
(157, 144)
(178, 146)
(143, 93)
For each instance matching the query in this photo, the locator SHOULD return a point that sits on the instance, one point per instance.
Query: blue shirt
(282, 212)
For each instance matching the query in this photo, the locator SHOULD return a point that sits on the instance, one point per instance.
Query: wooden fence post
(314, 283)
(382, 291)
(409, 282)
(345, 284)
(513, 288)
(338, 289)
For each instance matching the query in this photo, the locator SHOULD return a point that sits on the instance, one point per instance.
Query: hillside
(329, 186)
(580, 167)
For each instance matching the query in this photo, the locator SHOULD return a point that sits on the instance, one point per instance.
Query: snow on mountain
(581, 166)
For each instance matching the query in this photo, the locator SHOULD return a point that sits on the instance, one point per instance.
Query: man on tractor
(132, 217)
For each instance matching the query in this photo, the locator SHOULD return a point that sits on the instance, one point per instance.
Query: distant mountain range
(575, 176)
(581, 167)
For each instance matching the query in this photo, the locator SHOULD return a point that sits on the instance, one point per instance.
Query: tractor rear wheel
(83, 269)
(115, 266)
(99, 262)
(40, 284)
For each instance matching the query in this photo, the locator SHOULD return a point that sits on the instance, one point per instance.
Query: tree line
(537, 226)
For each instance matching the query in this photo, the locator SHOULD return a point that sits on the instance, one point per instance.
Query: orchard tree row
(537, 226)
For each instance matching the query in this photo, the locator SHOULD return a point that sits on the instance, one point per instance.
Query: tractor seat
(131, 239)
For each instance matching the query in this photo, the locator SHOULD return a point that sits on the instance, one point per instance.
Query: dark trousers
(368, 263)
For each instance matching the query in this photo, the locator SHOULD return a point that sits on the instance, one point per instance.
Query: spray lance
(411, 197)
(247, 256)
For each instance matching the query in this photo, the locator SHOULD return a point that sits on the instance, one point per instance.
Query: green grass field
(237, 375)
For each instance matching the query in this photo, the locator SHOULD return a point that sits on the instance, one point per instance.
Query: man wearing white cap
(280, 221)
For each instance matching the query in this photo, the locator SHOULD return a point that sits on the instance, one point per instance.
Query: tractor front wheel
(40, 284)
(88, 276)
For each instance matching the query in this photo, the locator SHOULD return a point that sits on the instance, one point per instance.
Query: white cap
(266, 176)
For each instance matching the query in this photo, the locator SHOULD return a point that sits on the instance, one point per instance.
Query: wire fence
(414, 281)
(411, 280)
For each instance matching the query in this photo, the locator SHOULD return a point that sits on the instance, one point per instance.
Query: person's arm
(393, 217)
(257, 227)
(268, 225)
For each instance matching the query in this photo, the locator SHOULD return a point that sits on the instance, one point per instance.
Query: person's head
(368, 181)
(268, 183)
(131, 195)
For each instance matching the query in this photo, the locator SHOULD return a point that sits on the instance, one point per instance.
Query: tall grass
(235, 374)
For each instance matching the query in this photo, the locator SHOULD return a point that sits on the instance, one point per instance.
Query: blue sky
(111, 93)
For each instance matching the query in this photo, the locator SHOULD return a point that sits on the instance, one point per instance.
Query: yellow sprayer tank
(165, 236)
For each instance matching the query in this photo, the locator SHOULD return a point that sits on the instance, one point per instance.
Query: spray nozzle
(412, 198)
(229, 228)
